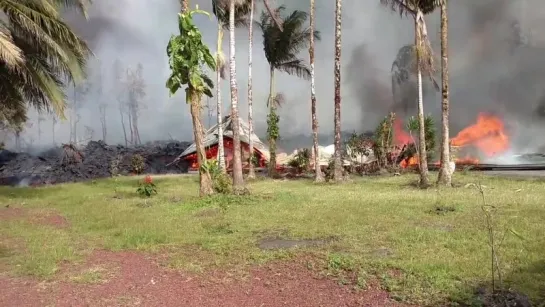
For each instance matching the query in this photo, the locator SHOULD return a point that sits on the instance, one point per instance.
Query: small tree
(136, 89)
(430, 133)
(119, 92)
(187, 55)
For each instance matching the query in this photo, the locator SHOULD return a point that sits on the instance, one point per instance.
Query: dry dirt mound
(132, 279)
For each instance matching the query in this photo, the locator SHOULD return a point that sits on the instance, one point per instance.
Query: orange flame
(487, 134)
(401, 137)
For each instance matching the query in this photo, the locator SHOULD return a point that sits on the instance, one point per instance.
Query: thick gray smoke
(488, 71)
(495, 64)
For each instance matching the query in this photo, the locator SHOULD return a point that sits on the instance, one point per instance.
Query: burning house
(211, 141)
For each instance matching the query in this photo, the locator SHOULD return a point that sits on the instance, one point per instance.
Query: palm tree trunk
(318, 177)
(251, 171)
(238, 180)
(338, 173)
(272, 124)
(219, 105)
(424, 179)
(205, 181)
(445, 175)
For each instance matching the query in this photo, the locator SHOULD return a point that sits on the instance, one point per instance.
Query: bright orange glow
(401, 137)
(487, 135)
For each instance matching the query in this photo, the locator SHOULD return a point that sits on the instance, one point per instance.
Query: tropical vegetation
(40, 56)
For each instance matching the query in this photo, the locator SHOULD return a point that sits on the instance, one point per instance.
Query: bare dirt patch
(10, 213)
(136, 279)
(51, 219)
(38, 217)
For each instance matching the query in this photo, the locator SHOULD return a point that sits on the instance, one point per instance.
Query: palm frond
(52, 54)
(10, 54)
(296, 67)
(30, 21)
(79, 6)
(410, 7)
(220, 8)
(282, 47)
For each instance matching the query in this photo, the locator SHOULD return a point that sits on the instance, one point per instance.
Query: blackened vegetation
(71, 164)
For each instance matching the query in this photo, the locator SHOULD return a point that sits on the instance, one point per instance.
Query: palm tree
(337, 171)
(238, 180)
(318, 176)
(187, 56)
(221, 11)
(445, 173)
(281, 49)
(39, 55)
(251, 171)
(424, 62)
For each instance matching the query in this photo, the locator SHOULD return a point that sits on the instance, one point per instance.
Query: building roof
(211, 138)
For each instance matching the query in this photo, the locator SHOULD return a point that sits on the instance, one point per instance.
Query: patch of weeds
(4, 251)
(442, 210)
(224, 201)
(145, 204)
(337, 263)
(406, 287)
(97, 275)
(361, 280)
(217, 226)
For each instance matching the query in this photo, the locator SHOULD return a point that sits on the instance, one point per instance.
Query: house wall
(212, 153)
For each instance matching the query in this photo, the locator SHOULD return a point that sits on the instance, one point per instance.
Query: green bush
(301, 160)
(221, 182)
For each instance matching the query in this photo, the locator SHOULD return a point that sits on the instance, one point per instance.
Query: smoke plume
(495, 66)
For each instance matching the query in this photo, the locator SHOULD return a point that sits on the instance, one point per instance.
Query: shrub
(301, 160)
(138, 164)
(147, 188)
(221, 182)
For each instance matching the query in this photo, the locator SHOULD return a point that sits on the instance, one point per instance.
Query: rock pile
(95, 160)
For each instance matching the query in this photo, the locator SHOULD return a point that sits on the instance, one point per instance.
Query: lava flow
(487, 135)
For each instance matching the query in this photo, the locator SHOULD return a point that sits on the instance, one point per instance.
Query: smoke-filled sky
(486, 74)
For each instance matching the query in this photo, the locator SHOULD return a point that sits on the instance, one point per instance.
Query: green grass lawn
(423, 245)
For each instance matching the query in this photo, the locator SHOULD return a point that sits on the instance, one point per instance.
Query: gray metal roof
(211, 138)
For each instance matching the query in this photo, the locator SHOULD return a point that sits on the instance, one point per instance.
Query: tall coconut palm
(424, 62)
(281, 50)
(337, 171)
(238, 180)
(220, 9)
(39, 55)
(251, 170)
(318, 176)
(445, 173)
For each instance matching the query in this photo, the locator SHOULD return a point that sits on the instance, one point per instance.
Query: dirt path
(134, 279)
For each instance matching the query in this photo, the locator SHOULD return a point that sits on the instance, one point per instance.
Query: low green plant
(430, 134)
(254, 159)
(147, 188)
(221, 182)
(301, 160)
(137, 164)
